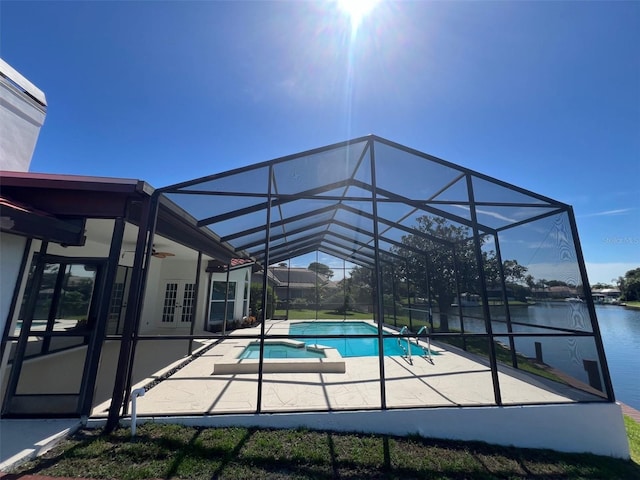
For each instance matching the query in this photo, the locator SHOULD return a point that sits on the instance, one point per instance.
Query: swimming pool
(350, 347)
(281, 350)
(280, 356)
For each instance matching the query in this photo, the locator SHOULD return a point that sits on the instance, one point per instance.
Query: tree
(442, 258)
(320, 269)
(347, 304)
(530, 281)
(514, 273)
(255, 302)
(630, 285)
(358, 287)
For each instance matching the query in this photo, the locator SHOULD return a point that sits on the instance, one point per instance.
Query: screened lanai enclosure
(446, 288)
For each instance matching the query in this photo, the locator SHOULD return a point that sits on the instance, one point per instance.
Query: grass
(633, 434)
(171, 451)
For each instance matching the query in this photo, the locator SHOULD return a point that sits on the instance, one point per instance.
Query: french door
(178, 302)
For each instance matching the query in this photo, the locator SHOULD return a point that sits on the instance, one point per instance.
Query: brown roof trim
(73, 182)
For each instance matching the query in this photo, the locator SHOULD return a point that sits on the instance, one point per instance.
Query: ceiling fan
(157, 254)
(154, 253)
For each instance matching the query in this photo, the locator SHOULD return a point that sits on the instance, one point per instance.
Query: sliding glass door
(48, 344)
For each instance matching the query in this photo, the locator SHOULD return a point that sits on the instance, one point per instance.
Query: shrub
(298, 303)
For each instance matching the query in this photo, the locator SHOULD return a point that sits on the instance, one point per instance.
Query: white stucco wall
(580, 427)
(21, 118)
(11, 251)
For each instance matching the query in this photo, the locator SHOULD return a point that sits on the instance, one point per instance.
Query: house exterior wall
(183, 271)
(162, 271)
(21, 117)
(10, 267)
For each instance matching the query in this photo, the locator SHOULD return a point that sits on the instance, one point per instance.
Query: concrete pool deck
(455, 378)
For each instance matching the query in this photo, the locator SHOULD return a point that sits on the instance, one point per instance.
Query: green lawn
(171, 451)
(633, 433)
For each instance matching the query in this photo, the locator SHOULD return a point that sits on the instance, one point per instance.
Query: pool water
(279, 350)
(351, 347)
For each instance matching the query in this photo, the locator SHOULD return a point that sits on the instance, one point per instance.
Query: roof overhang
(23, 220)
(44, 201)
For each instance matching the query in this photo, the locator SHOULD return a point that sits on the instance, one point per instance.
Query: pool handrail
(422, 329)
(405, 330)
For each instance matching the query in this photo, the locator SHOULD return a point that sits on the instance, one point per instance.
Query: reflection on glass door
(62, 305)
(57, 315)
(221, 294)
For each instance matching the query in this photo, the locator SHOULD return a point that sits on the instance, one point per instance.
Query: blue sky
(544, 95)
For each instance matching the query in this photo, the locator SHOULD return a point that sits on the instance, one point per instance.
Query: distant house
(298, 284)
(606, 295)
(556, 292)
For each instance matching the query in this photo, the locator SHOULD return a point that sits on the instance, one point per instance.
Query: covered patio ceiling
(354, 200)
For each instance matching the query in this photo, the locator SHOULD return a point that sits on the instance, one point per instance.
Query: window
(220, 293)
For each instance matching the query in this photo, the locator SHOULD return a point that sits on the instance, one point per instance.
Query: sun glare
(356, 9)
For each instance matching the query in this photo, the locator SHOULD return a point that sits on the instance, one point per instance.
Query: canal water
(620, 328)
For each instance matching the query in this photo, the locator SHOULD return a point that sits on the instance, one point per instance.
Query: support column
(378, 277)
(226, 300)
(94, 349)
(505, 296)
(265, 280)
(483, 290)
(591, 308)
(456, 269)
(196, 297)
(132, 318)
